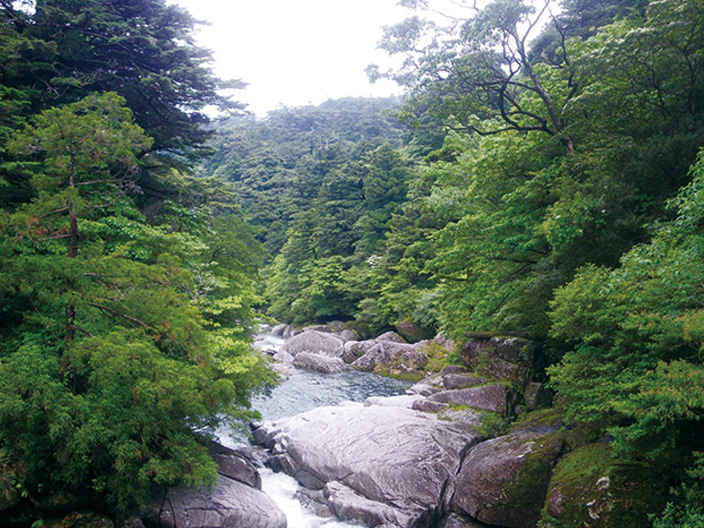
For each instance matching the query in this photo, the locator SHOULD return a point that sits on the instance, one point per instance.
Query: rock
(319, 362)
(283, 357)
(591, 487)
(504, 481)
(443, 341)
(327, 329)
(389, 455)
(537, 395)
(466, 417)
(315, 342)
(382, 353)
(59, 501)
(291, 331)
(356, 349)
(348, 335)
(495, 398)
(501, 358)
(390, 336)
(279, 330)
(403, 400)
(455, 521)
(460, 381)
(236, 466)
(422, 388)
(231, 504)
(411, 332)
(351, 506)
(428, 406)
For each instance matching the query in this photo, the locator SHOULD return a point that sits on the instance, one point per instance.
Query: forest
(538, 179)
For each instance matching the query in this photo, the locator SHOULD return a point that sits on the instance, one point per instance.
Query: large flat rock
(392, 457)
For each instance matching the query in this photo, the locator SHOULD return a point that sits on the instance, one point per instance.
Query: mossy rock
(592, 487)
(504, 481)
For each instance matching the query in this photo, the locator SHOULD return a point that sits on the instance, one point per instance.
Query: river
(303, 391)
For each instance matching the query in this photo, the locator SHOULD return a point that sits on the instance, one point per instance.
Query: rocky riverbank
(474, 444)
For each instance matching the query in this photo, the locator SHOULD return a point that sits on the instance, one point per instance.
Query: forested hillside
(126, 284)
(543, 177)
(547, 184)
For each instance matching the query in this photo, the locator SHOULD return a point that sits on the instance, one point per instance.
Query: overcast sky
(296, 52)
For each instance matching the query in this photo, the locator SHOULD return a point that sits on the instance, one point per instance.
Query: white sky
(296, 52)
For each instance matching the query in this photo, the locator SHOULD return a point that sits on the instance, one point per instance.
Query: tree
(477, 73)
(143, 50)
(118, 351)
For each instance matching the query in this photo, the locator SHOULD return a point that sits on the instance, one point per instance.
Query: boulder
(422, 388)
(235, 465)
(425, 405)
(504, 481)
(382, 353)
(279, 330)
(389, 455)
(348, 335)
(283, 357)
(591, 487)
(231, 504)
(316, 342)
(319, 362)
(353, 350)
(291, 331)
(402, 400)
(509, 359)
(390, 336)
(495, 398)
(411, 332)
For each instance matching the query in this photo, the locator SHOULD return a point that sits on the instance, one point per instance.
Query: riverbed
(303, 391)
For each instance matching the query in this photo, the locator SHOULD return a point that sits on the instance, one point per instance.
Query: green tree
(115, 353)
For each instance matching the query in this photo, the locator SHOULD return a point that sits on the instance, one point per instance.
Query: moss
(528, 488)
(591, 485)
(542, 419)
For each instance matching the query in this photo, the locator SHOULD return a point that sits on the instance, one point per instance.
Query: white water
(282, 490)
(301, 392)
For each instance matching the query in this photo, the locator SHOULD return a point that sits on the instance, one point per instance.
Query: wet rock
(504, 481)
(495, 398)
(319, 362)
(315, 342)
(230, 504)
(388, 455)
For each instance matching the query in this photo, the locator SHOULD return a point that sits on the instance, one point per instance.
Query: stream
(303, 391)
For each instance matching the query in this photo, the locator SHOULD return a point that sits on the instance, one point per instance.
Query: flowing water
(303, 391)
